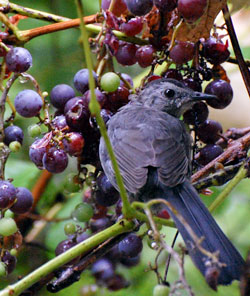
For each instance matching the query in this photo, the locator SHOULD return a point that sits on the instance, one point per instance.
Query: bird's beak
(198, 96)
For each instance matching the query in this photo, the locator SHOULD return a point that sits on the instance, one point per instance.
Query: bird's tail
(189, 206)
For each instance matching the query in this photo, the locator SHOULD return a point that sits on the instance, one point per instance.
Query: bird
(153, 151)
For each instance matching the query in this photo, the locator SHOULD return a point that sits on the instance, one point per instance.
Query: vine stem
(95, 111)
(80, 249)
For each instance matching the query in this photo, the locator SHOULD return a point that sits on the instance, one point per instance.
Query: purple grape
(18, 60)
(36, 153)
(106, 115)
(28, 103)
(182, 52)
(125, 54)
(107, 195)
(222, 90)
(209, 131)
(103, 269)
(59, 122)
(100, 97)
(55, 160)
(145, 55)
(13, 133)
(117, 282)
(215, 51)
(132, 27)
(197, 115)
(63, 246)
(73, 143)
(193, 84)
(97, 225)
(81, 237)
(208, 153)
(173, 73)
(7, 194)
(192, 10)
(139, 7)
(10, 261)
(165, 5)
(60, 94)
(130, 246)
(81, 80)
(127, 78)
(120, 6)
(117, 99)
(24, 201)
(130, 262)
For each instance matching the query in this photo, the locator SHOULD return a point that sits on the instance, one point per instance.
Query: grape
(208, 153)
(110, 82)
(34, 130)
(164, 214)
(100, 97)
(215, 51)
(73, 143)
(139, 7)
(59, 122)
(9, 214)
(130, 262)
(63, 246)
(97, 225)
(7, 226)
(127, 78)
(36, 153)
(55, 160)
(173, 73)
(145, 55)
(117, 282)
(182, 52)
(28, 103)
(192, 10)
(193, 84)
(81, 80)
(209, 131)
(118, 98)
(165, 5)
(18, 60)
(24, 201)
(161, 290)
(153, 77)
(9, 261)
(106, 115)
(125, 54)
(132, 27)
(81, 237)
(197, 114)
(130, 246)
(102, 269)
(107, 195)
(3, 271)
(120, 6)
(222, 90)
(7, 194)
(69, 228)
(13, 133)
(60, 94)
(15, 146)
(83, 212)
(77, 114)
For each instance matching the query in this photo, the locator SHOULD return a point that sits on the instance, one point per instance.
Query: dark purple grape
(97, 225)
(7, 194)
(10, 261)
(197, 114)
(81, 237)
(59, 122)
(208, 153)
(139, 7)
(125, 54)
(102, 269)
(193, 84)
(28, 103)
(18, 60)
(153, 77)
(165, 5)
(55, 160)
(24, 201)
(36, 152)
(132, 27)
(73, 143)
(107, 195)
(145, 55)
(13, 133)
(60, 94)
(63, 246)
(77, 114)
(173, 73)
(130, 246)
(100, 97)
(215, 51)
(130, 262)
(182, 52)
(209, 131)
(106, 115)
(127, 78)
(222, 90)
(117, 99)
(117, 282)
(120, 6)
(81, 80)
(192, 10)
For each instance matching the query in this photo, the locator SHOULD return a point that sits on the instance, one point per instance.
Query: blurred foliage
(56, 58)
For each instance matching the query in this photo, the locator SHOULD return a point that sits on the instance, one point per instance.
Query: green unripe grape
(69, 228)
(9, 214)
(13, 252)
(110, 82)
(70, 184)
(3, 270)
(34, 130)
(15, 146)
(83, 212)
(7, 226)
(161, 290)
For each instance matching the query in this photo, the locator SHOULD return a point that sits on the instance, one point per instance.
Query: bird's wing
(143, 137)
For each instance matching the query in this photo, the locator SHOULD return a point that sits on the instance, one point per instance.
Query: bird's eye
(169, 93)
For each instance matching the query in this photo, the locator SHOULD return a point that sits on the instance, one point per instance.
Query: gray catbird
(152, 148)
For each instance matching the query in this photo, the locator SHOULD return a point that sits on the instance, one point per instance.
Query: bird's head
(171, 96)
